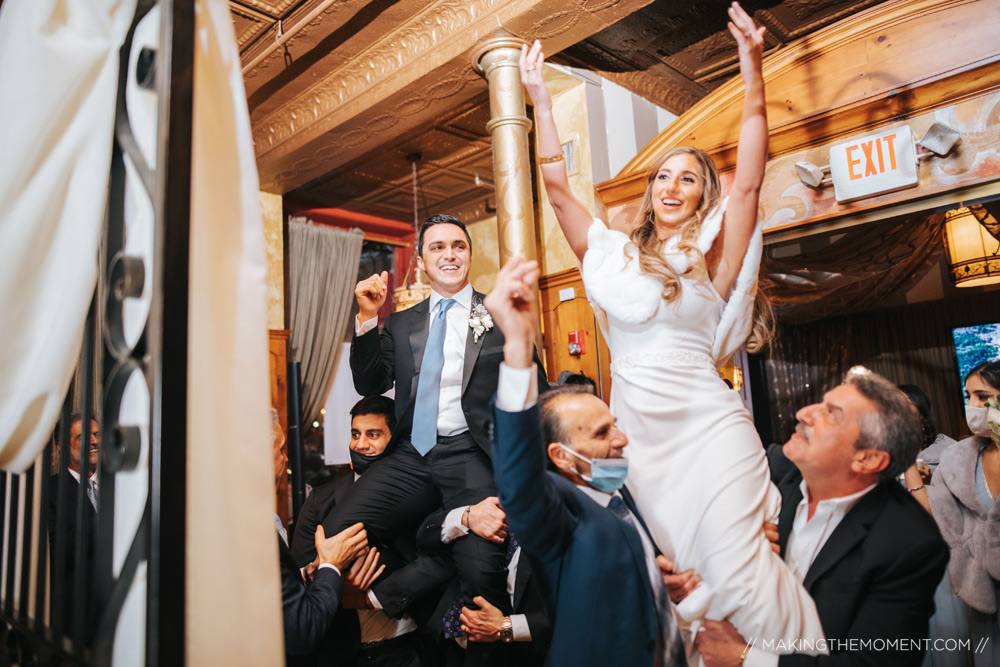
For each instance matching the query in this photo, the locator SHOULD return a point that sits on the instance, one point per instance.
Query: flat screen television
(974, 345)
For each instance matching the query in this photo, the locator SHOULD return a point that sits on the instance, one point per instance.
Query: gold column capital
(494, 50)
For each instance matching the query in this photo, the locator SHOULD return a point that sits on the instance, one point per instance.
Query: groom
(444, 374)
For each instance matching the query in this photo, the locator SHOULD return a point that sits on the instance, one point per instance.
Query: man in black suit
(64, 492)
(375, 628)
(527, 630)
(443, 357)
(869, 554)
(308, 610)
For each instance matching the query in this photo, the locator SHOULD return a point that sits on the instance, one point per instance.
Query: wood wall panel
(561, 317)
(278, 363)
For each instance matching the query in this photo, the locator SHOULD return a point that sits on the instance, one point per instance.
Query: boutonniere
(479, 321)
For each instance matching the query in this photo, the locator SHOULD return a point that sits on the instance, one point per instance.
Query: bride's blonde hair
(650, 248)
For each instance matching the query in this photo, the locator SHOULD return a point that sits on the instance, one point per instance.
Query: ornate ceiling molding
(427, 59)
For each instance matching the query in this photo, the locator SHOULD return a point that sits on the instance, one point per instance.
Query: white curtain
(58, 81)
(323, 270)
(233, 592)
(58, 76)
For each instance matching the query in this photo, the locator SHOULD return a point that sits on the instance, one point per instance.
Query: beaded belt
(664, 360)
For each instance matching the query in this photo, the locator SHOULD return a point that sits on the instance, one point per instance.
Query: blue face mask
(607, 475)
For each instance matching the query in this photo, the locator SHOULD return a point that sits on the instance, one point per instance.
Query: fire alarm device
(577, 342)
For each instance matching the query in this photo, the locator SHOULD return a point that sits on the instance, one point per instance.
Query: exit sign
(874, 164)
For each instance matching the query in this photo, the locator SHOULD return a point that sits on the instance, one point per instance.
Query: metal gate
(61, 590)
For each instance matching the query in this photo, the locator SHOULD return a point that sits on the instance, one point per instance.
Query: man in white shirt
(866, 551)
(443, 357)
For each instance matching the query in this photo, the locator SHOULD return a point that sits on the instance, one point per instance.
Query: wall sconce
(813, 176)
(939, 139)
(969, 242)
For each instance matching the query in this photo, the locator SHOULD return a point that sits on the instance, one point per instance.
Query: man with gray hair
(866, 551)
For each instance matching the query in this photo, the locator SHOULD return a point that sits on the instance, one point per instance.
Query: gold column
(497, 59)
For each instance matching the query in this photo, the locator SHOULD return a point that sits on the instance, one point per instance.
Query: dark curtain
(907, 344)
(869, 264)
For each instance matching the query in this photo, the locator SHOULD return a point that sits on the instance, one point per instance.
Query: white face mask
(976, 418)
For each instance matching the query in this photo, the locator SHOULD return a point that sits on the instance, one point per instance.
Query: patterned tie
(452, 623)
(92, 492)
(669, 645)
(425, 409)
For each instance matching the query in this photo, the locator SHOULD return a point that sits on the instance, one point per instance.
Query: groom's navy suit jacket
(589, 561)
(378, 361)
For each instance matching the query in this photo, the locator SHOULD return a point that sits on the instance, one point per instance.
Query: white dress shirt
(805, 542)
(451, 418)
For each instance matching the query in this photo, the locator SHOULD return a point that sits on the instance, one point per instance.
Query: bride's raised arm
(573, 216)
(751, 153)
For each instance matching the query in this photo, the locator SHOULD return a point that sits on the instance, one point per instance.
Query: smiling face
(824, 445)
(978, 392)
(676, 192)
(445, 257)
(76, 443)
(369, 434)
(589, 429)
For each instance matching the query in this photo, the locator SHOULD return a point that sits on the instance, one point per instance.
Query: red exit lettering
(872, 157)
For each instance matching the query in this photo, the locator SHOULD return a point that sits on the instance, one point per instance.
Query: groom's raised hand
(512, 306)
(370, 294)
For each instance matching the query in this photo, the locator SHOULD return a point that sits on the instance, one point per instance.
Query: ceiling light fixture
(412, 292)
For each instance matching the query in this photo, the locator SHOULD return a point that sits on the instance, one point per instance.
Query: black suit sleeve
(532, 605)
(315, 508)
(307, 611)
(425, 575)
(432, 568)
(896, 607)
(373, 361)
(429, 535)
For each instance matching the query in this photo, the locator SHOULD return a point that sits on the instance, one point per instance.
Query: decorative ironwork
(64, 607)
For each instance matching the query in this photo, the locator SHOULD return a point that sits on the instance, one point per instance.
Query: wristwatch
(506, 630)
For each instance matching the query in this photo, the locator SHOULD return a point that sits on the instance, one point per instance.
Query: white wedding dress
(696, 465)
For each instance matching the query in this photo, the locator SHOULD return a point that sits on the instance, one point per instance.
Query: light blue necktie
(425, 409)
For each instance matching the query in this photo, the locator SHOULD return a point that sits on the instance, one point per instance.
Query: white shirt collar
(844, 503)
(598, 497)
(463, 298)
(76, 475)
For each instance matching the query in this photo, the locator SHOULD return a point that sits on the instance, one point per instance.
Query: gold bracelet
(743, 656)
(551, 159)
(915, 489)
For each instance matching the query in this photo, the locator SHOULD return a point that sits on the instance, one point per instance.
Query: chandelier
(412, 291)
(972, 247)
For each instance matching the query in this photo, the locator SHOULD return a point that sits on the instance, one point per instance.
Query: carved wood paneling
(867, 70)
(412, 71)
(692, 42)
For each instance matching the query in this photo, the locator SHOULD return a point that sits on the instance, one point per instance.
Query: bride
(676, 299)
